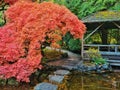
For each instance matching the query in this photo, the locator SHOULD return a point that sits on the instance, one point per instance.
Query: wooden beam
(93, 31)
(96, 45)
(116, 24)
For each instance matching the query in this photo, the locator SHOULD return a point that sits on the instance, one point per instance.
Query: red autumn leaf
(27, 28)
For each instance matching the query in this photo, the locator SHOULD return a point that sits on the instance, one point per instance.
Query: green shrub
(1, 19)
(96, 57)
(99, 61)
(70, 43)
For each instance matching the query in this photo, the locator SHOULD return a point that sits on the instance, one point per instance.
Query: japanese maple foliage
(28, 26)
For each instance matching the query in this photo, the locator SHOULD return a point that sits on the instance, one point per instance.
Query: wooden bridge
(109, 52)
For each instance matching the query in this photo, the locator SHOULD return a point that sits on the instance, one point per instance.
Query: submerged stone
(45, 86)
(56, 78)
(61, 72)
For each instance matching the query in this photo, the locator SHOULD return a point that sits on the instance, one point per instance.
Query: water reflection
(85, 81)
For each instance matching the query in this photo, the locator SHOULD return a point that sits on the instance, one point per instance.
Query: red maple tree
(28, 25)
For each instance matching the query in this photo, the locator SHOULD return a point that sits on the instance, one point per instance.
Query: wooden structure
(98, 21)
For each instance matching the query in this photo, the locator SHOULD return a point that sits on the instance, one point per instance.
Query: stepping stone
(45, 86)
(62, 72)
(70, 67)
(56, 78)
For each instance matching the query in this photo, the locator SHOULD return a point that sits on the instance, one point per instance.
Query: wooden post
(116, 48)
(82, 47)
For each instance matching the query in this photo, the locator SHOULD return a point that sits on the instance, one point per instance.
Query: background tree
(83, 8)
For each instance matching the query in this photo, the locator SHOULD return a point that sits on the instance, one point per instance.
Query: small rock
(61, 72)
(45, 86)
(91, 68)
(84, 68)
(80, 66)
(99, 71)
(56, 78)
(98, 66)
(105, 66)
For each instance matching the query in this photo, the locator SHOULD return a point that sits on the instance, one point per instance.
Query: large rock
(56, 78)
(45, 86)
(61, 72)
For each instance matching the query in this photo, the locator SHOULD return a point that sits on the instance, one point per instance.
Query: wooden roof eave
(96, 19)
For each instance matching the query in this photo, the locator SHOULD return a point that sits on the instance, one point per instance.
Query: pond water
(80, 81)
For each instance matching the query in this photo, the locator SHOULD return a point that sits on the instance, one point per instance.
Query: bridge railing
(102, 49)
(108, 48)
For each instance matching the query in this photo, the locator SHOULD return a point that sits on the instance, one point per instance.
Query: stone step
(56, 78)
(62, 72)
(45, 86)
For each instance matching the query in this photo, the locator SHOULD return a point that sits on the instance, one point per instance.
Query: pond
(82, 81)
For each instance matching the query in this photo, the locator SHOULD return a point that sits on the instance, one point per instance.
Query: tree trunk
(118, 36)
(104, 36)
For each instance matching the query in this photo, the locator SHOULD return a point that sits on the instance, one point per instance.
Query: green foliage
(1, 19)
(83, 8)
(116, 6)
(99, 61)
(96, 57)
(67, 37)
(62, 2)
(91, 6)
(93, 53)
(70, 43)
(74, 44)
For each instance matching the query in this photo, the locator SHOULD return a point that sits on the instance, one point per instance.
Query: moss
(52, 54)
(3, 82)
(103, 16)
(108, 15)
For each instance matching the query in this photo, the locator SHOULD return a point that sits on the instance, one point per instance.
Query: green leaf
(67, 37)
(74, 44)
(116, 6)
